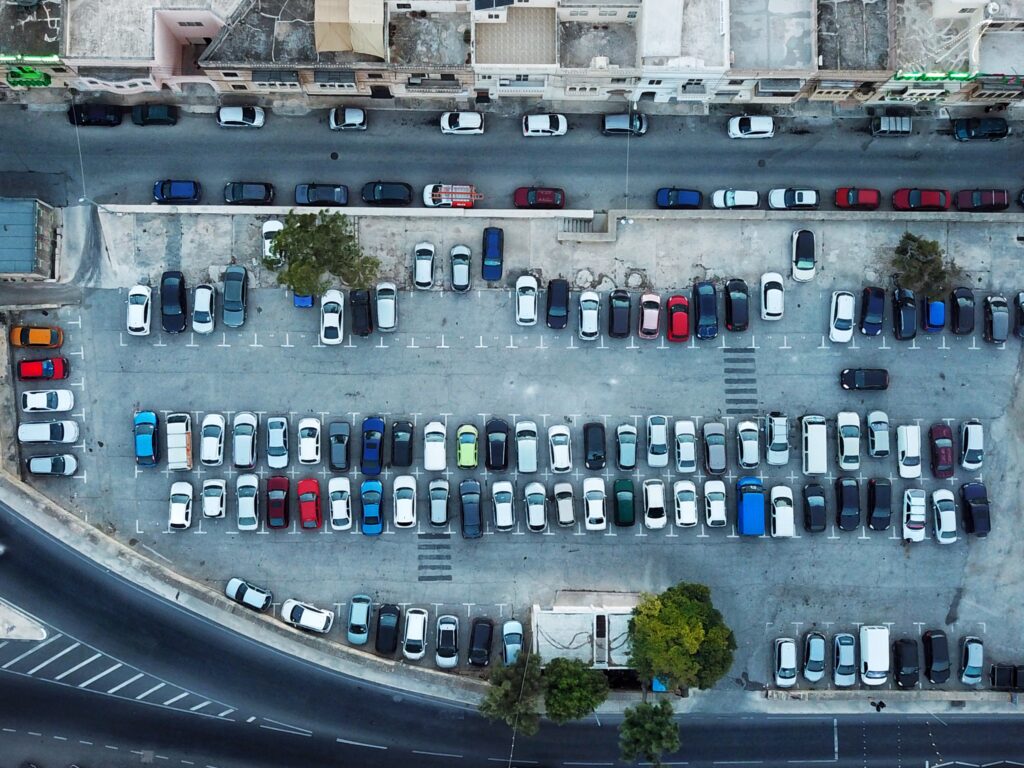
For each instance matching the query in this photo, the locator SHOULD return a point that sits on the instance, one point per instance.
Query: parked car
(204, 309)
(649, 326)
(815, 508)
(904, 314)
(975, 509)
(972, 660)
(526, 300)
(620, 307)
(940, 439)
(423, 266)
(414, 641)
(322, 195)
(864, 379)
(657, 441)
(980, 128)
(841, 317)
(785, 662)
(481, 637)
(714, 448)
(556, 315)
(625, 446)
(936, 656)
(249, 595)
(402, 435)
(62, 431)
(981, 200)
(677, 319)
(470, 506)
(961, 302)
(944, 516)
(241, 117)
(236, 292)
(268, 232)
(848, 439)
(177, 192)
(594, 445)
(387, 193)
(783, 516)
(309, 440)
(503, 505)
(461, 269)
(446, 642)
(140, 304)
(371, 495)
(362, 316)
(339, 497)
(154, 114)
(359, 610)
(545, 125)
(847, 504)
(872, 311)
(496, 435)
(89, 115)
(372, 454)
(913, 199)
(146, 438)
(404, 501)
(684, 494)
(914, 516)
(332, 317)
(905, 661)
(751, 127)
(858, 199)
(589, 315)
(435, 438)
(307, 616)
(173, 302)
(277, 440)
(737, 305)
(844, 660)
(462, 124)
(879, 504)
(595, 517)
(674, 197)
(539, 197)
(248, 193)
(814, 657)
(972, 445)
(655, 513)
(386, 640)
(47, 400)
(492, 253)
(511, 641)
(685, 445)
(347, 119)
(747, 450)
(997, 319)
(803, 255)
(278, 515)
(466, 446)
(535, 499)
(560, 448)
(735, 198)
(437, 495)
(714, 504)
(387, 307)
(773, 296)
(50, 368)
(793, 199)
(705, 302)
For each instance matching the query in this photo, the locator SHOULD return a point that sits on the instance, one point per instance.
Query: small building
(28, 239)
(590, 626)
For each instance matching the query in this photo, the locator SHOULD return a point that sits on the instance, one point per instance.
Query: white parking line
(175, 698)
(101, 674)
(357, 743)
(78, 666)
(36, 668)
(31, 650)
(125, 684)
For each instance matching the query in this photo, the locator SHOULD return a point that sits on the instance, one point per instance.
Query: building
(29, 235)
(592, 627)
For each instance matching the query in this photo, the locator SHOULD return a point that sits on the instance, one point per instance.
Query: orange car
(34, 336)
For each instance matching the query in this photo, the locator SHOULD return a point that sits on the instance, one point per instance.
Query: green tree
(680, 637)
(922, 266)
(572, 690)
(312, 245)
(648, 731)
(514, 694)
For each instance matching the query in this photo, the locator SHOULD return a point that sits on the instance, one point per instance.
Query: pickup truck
(450, 195)
(179, 442)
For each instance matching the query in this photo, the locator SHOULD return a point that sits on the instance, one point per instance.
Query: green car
(466, 440)
(625, 503)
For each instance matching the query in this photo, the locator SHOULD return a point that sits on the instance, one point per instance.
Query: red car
(855, 199)
(539, 197)
(941, 438)
(277, 502)
(678, 318)
(982, 200)
(309, 503)
(51, 368)
(907, 199)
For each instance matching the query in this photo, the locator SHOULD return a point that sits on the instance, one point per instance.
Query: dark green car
(625, 502)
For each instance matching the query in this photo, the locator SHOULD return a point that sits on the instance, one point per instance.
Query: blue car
(371, 493)
(705, 303)
(173, 191)
(493, 253)
(302, 301)
(373, 442)
(673, 197)
(934, 315)
(147, 441)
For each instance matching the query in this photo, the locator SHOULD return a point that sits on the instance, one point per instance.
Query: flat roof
(527, 36)
(776, 35)
(31, 31)
(853, 36)
(660, 24)
(579, 43)
(17, 236)
(436, 39)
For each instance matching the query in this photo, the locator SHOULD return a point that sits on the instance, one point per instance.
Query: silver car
(462, 274)
(590, 315)
(247, 489)
(844, 660)
(747, 450)
(686, 446)
(423, 266)
(777, 439)
(243, 439)
(438, 495)
(249, 595)
(714, 448)
(657, 441)
(446, 645)
(878, 435)
(204, 307)
(387, 307)
(814, 657)
(277, 442)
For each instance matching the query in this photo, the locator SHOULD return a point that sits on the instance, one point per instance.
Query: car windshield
(371, 497)
(503, 497)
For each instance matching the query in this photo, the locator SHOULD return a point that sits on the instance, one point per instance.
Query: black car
(974, 509)
(387, 193)
(905, 662)
(996, 312)
(864, 378)
(936, 656)
(321, 194)
(815, 510)
(558, 304)
(401, 443)
(362, 316)
(236, 291)
(339, 435)
(619, 309)
(872, 310)
(481, 635)
(879, 504)
(248, 193)
(594, 445)
(705, 303)
(737, 305)
(388, 618)
(977, 128)
(173, 303)
(469, 500)
(105, 115)
(847, 504)
(1018, 315)
(154, 114)
(497, 444)
(962, 305)
(904, 314)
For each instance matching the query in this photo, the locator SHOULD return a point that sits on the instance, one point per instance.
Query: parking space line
(154, 689)
(125, 684)
(223, 340)
(67, 650)
(77, 667)
(100, 675)
(31, 650)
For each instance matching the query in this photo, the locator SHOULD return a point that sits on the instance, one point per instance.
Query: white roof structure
(589, 626)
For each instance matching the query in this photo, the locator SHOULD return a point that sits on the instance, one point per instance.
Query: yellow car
(33, 336)
(466, 440)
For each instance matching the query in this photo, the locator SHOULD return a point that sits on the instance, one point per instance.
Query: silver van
(891, 126)
(814, 442)
(624, 124)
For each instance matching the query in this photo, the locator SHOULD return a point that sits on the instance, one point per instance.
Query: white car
(435, 441)
(462, 123)
(751, 127)
(309, 441)
(560, 446)
(241, 117)
(56, 464)
(277, 442)
(244, 429)
(972, 444)
(535, 497)
(387, 307)
(878, 434)
(944, 516)
(565, 504)
(249, 595)
(140, 306)
(776, 439)
(783, 199)
(840, 325)
(545, 125)
(594, 497)
(414, 643)
(423, 266)
(685, 494)
(204, 309)
(655, 515)
(848, 440)
(215, 498)
(914, 516)
(803, 256)
(347, 119)
(773, 296)
(735, 198)
(526, 300)
(332, 317)
(503, 502)
(526, 446)
(785, 662)
(63, 431)
(211, 440)
(404, 498)
(462, 268)
(714, 503)
(747, 449)
(783, 523)
(269, 231)
(179, 513)
(686, 446)
(590, 314)
(908, 451)
(339, 496)
(247, 489)
(446, 642)
(47, 400)
(657, 442)
(437, 494)
(306, 616)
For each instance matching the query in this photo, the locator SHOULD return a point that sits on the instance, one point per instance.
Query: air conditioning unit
(599, 62)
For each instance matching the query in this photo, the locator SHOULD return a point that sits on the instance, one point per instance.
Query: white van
(815, 444)
(526, 446)
(908, 450)
(874, 655)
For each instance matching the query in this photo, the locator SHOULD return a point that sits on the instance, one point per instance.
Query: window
(230, 74)
(631, 15)
(735, 82)
(696, 81)
(966, 10)
(404, 6)
(654, 82)
(607, 13)
(239, 87)
(578, 12)
(522, 78)
(58, 70)
(190, 24)
(447, 76)
(374, 76)
(618, 80)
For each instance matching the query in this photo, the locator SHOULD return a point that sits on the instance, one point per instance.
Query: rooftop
(925, 43)
(526, 37)
(853, 34)
(430, 39)
(772, 34)
(17, 236)
(568, 629)
(687, 34)
(1001, 53)
(31, 31)
(579, 43)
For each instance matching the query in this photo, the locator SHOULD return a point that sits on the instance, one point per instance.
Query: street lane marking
(101, 674)
(151, 690)
(126, 683)
(77, 667)
(175, 698)
(449, 754)
(360, 744)
(29, 651)
(69, 649)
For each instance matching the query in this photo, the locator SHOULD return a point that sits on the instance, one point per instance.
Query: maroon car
(539, 197)
(941, 438)
(982, 200)
(858, 199)
(277, 502)
(908, 199)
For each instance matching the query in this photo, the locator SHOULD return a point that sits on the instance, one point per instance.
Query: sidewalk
(15, 625)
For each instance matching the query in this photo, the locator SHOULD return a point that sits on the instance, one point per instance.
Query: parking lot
(461, 359)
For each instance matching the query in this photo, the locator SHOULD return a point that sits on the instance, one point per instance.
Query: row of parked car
(174, 304)
(875, 661)
(413, 636)
(845, 198)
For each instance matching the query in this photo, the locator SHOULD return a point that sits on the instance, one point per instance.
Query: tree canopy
(514, 694)
(572, 690)
(922, 266)
(648, 731)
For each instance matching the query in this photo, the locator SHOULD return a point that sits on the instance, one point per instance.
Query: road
(40, 156)
(291, 713)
